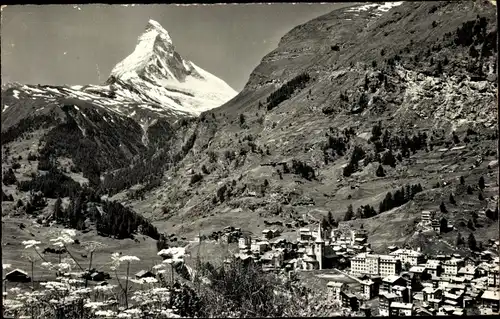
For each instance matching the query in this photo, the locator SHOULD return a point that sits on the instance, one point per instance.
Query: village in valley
(402, 282)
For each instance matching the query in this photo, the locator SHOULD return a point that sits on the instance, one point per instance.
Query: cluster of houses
(407, 283)
(404, 282)
(312, 250)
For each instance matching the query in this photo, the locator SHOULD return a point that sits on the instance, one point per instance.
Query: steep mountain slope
(351, 106)
(105, 127)
(421, 70)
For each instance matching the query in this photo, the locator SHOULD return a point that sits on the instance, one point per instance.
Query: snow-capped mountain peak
(159, 75)
(154, 41)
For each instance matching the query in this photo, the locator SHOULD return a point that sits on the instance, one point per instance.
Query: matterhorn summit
(155, 73)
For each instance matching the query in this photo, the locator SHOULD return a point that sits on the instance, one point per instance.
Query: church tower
(319, 247)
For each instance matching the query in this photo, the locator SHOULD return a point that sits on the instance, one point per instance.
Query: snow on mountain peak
(158, 74)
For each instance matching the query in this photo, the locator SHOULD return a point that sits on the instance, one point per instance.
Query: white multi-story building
(409, 256)
(389, 265)
(371, 264)
(244, 243)
(433, 267)
(427, 216)
(452, 266)
(259, 247)
(335, 288)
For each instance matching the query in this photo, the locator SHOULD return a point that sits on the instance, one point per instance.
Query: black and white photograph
(335, 159)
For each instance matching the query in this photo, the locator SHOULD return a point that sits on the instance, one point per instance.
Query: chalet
(259, 247)
(424, 312)
(17, 275)
(402, 291)
(419, 274)
(366, 310)
(144, 274)
(452, 266)
(349, 300)
(244, 242)
(98, 276)
(427, 216)
(454, 299)
(433, 267)
(401, 309)
(305, 234)
(267, 234)
(273, 259)
(385, 301)
(469, 262)
(432, 293)
(493, 276)
(491, 299)
(370, 289)
(443, 282)
(408, 256)
(391, 281)
(468, 272)
(335, 288)
(436, 226)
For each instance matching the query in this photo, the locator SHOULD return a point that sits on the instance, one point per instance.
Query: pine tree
(443, 225)
(481, 183)
(460, 240)
(480, 196)
(57, 210)
(472, 242)
(462, 180)
(330, 220)
(469, 190)
(380, 171)
(452, 200)
(349, 214)
(442, 207)
(470, 224)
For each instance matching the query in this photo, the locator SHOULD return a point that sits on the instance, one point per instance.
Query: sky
(68, 44)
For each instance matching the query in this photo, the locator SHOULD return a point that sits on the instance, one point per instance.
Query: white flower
(105, 313)
(47, 264)
(159, 266)
(61, 241)
(133, 311)
(6, 266)
(147, 280)
(115, 261)
(64, 266)
(105, 288)
(129, 258)
(31, 243)
(94, 304)
(82, 291)
(173, 252)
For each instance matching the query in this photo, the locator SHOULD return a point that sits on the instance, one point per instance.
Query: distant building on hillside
(371, 264)
(408, 256)
(427, 216)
